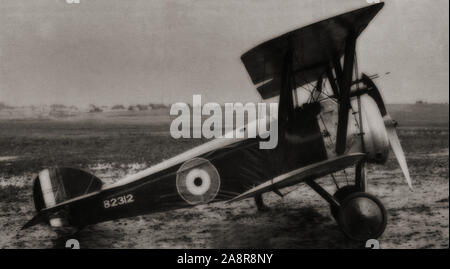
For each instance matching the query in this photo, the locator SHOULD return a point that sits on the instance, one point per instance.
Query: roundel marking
(198, 181)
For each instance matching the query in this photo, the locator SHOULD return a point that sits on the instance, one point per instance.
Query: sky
(110, 52)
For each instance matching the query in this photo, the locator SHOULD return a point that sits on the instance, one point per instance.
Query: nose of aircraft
(390, 128)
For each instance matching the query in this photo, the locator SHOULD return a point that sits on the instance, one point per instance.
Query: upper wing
(314, 47)
(296, 176)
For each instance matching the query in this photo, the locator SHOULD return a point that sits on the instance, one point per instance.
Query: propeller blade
(390, 127)
(398, 152)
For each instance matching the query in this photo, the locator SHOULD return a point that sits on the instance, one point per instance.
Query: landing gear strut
(342, 193)
(360, 215)
(260, 203)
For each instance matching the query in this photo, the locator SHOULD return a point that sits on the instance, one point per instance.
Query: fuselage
(239, 162)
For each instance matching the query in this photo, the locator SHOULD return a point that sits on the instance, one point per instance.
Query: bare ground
(417, 219)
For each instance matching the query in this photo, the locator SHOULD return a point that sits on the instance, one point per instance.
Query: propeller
(397, 148)
(390, 127)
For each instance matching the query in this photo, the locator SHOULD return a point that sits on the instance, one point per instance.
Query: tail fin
(56, 186)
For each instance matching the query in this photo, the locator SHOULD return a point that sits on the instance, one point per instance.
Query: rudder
(55, 185)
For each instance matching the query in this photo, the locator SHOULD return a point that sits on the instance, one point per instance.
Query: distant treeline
(4, 106)
(92, 108)
(141, 107)
(138, 107)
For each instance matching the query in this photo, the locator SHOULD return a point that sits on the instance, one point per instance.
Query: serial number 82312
(118, 201)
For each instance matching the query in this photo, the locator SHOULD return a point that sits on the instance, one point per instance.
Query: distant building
(157, 106)
(94, 109)
(118, 107)
(138, 108)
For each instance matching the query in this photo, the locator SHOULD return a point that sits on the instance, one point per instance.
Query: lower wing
(293, 177)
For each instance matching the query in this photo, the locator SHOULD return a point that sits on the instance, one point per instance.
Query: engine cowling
(374, 142)
(375, 137)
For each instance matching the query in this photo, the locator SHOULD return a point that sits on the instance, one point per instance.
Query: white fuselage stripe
(48, 194)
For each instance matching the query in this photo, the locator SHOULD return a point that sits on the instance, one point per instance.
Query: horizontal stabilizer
(35, 220)
(299, 175)
(44, 214)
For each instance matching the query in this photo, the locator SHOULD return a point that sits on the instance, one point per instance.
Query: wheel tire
(340, 195)
(362, 216)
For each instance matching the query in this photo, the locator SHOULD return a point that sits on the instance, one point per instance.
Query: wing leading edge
(299, 175)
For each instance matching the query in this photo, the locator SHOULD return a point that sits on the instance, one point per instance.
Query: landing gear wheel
(340, 195)
(362, 216)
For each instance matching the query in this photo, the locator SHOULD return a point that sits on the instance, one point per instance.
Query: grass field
(112, 145)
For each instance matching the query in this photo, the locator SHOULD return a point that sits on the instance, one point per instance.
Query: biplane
(343, 124)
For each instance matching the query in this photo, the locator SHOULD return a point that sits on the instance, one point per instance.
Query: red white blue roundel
(198, 181)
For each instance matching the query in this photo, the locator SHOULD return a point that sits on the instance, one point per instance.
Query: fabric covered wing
(314, 47)
(296, 176)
